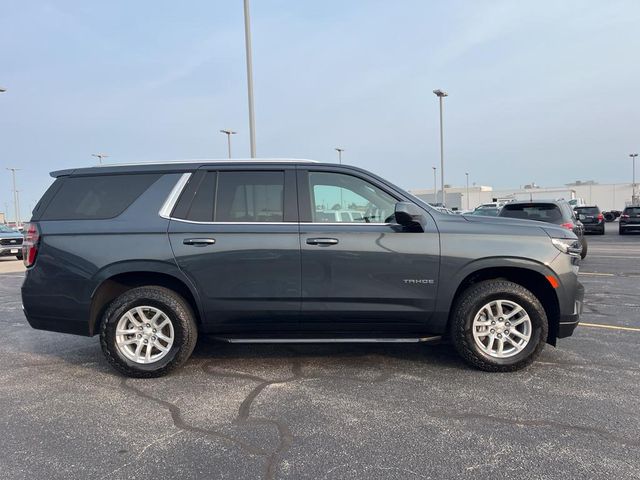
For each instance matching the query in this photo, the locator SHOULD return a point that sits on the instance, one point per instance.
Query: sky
(539, 91)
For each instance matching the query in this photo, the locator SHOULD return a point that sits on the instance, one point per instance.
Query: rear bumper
(13, 251)
(629, 226)
(569, 321)
(593, 227)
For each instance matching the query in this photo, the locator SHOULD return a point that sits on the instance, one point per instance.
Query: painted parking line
(610, 327)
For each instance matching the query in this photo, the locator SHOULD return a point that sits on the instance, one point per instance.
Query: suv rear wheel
(498, 326)
(148, 331)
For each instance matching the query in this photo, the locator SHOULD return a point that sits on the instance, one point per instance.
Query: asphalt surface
(332, 411)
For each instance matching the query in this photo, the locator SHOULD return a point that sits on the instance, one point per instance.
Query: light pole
(339, 150)
(100, 156)
(247, 42)
(440, 94)
(435, 186)
(15, 196)
(634, 197)
(228, 133)
(467, 174)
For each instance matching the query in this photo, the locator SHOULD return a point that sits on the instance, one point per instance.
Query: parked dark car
(592, 219)
(151, 256)
(629, 220)
(10, 242)
(557, 212)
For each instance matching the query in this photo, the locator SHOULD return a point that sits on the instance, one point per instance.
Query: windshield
(5, 229)
(632, 211)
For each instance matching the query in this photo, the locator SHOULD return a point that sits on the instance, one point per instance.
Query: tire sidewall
(537, 316)
(178, 315)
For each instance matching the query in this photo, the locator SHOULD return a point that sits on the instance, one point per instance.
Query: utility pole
(228, 133)
(100, 156)
(435, 186)
(15, 196)
(247, 44)
(18, 222)
(467, 174)
(634, 196)
(339, 150)
(440, 94)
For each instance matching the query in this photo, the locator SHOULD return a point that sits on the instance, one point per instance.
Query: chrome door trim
(170, 202)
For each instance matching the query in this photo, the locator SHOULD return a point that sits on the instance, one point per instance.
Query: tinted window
(201, 208)
(544, 212)
(632, 211)
(588, 210)
(353, 199)
(250, 197)
(96, 197)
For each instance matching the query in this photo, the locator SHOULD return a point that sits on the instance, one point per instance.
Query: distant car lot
(332, 411)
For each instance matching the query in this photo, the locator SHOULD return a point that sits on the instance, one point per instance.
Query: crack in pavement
(537, 423)
(180, 423)
(285, 437)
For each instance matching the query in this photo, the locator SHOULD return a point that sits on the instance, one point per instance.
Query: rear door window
(96, 197)
(250, 197)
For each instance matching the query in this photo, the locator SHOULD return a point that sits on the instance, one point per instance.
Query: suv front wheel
(148, 331)
(498, 326)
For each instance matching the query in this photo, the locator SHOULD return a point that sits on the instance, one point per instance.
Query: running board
(329, 340)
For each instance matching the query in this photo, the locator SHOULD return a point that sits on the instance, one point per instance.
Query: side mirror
(408, 214)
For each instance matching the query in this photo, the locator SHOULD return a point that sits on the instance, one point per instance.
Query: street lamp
(440, 94)
(339, 150)
(435, 186)
(228, 133)
(467, 174)
(634, 197)
(99, 156)
(247, 44)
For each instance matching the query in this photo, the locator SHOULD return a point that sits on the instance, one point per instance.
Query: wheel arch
(533, 277)
(118, 279)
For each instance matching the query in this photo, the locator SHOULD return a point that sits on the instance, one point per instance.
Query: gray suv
(150, 256)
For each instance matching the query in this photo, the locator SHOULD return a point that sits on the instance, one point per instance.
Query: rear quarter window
(96, 197)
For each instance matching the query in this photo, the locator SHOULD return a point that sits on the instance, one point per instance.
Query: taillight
(30, 244)
(600, 216)
(568, 225)
(624, 216)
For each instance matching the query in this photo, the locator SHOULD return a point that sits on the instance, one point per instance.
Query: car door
(234, 233)
(363, 271)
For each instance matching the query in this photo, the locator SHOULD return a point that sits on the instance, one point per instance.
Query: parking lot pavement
(11, 265)
(332, 411)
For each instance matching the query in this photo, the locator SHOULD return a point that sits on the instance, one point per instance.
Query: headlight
(568, 245)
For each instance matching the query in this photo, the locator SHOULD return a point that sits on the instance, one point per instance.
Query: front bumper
(10, 250)
(569, 321)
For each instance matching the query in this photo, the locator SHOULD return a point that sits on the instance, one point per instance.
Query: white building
(607, 196)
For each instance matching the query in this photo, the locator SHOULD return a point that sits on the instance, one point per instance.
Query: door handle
(322, 241)
(199, 242)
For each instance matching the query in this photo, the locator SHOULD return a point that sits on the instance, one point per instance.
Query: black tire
(176, 309)
(469, 303)
(19, 256)
(621, 231)
(601, 231)
(585, 247)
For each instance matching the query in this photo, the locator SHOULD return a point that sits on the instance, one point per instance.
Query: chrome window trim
(170, 202)
(273, 223)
